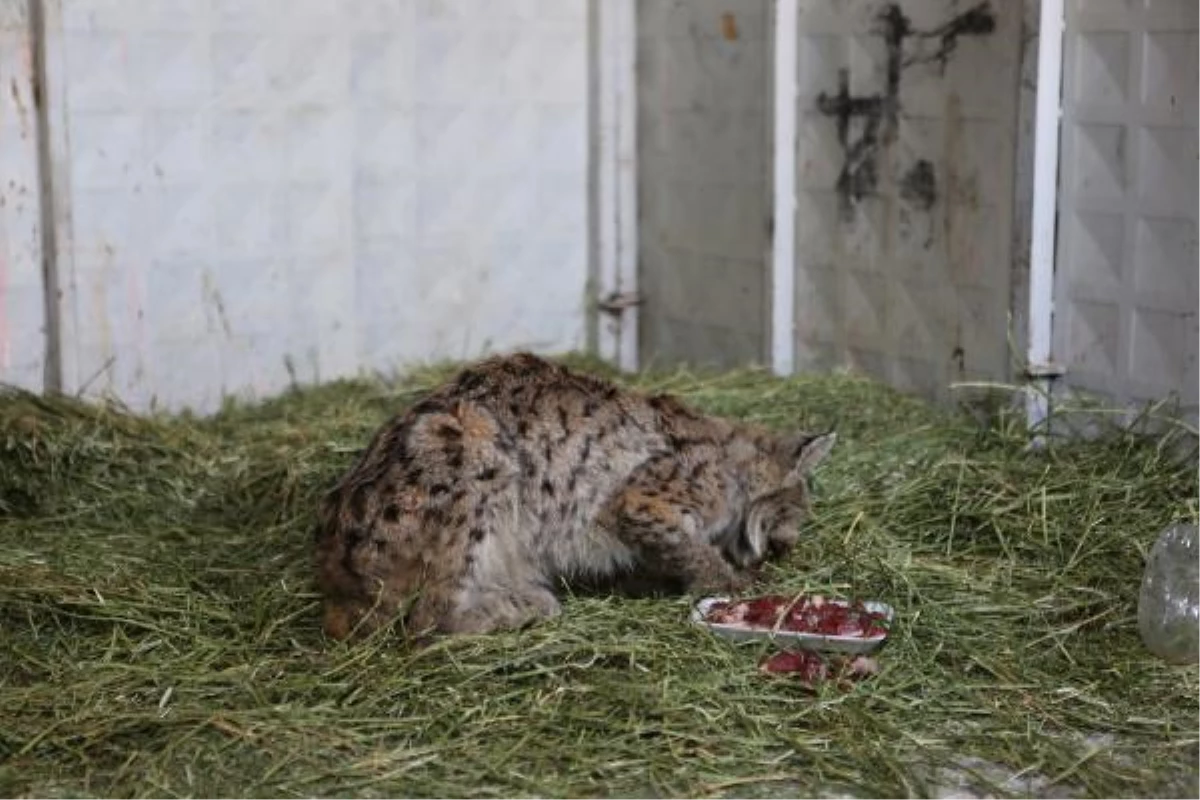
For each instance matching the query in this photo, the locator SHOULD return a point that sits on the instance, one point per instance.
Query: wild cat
(466, 512)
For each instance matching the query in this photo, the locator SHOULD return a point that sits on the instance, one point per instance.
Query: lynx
(465, 513)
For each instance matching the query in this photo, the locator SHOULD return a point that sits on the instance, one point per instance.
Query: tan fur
(467, 511)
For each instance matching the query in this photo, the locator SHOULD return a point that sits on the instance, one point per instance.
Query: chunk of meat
(811, 668)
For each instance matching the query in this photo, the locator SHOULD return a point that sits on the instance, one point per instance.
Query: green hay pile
(160, 632)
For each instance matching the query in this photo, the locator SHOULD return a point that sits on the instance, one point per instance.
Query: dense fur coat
(465, 512)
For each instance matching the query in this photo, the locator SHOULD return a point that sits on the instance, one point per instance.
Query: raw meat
(811, 668)
(803, 614)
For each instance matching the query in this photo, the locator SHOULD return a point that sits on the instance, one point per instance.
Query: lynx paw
(723, 582)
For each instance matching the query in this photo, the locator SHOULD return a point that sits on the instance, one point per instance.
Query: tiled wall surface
(907, 121)
(1126, 294)
(310, 188)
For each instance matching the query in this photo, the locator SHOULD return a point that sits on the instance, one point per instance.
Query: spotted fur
(465, 513)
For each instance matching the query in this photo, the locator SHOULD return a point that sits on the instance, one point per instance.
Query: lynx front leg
(498, 609)
(666, 541)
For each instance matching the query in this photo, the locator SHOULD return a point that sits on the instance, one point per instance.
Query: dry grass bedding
(160, 632)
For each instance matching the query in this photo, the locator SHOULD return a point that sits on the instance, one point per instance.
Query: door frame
(614, 192)
(1039, 367)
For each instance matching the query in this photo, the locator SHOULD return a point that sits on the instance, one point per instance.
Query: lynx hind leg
(503, 587)
(471, 480)
(665, 539)
(487, 582)
(473, 587)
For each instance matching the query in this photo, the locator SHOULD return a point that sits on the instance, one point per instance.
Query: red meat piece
(808, 667)
(811, 668)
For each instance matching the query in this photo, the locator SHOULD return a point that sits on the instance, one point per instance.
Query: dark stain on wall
(879, 114)
(858, 177)
(977, 21)
(919, 186)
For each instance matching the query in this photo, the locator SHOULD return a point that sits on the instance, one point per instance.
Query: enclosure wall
(703, 179)
(906, 157)
(252, 193)
(22, 291)
(1126, 296)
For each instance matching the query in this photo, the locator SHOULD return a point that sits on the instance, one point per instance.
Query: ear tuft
(805, 451)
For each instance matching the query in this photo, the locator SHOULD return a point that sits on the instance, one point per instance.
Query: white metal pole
(616, 181)
(783, 244)
(605, 195)
(1048, 124)
(627, 178)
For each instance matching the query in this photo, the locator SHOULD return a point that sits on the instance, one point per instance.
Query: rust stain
(729, 28)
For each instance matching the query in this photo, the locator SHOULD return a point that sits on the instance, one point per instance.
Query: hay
(160, 634)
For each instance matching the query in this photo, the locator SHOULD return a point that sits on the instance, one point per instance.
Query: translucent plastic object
(1169, 605)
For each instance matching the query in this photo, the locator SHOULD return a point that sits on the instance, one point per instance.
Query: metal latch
(1046, 370)
(616, 303)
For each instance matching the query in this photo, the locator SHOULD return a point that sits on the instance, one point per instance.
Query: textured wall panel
(22, 302)
(270, 190)
(905, 167)
(704, 187)
(1126, 285)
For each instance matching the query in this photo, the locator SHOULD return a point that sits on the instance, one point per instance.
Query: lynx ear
(804, 451)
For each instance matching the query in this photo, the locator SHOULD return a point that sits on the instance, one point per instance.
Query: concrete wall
(247, 194)
(906, 163)
(205, 198)
(22, 293)
(704, 130)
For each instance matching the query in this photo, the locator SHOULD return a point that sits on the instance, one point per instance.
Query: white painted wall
(22, 296)
(1126, 320)
(256, 190)
(615, 176)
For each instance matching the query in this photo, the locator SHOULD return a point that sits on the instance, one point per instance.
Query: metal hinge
(616, 304)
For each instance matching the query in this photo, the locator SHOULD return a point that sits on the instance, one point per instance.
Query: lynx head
(779, 497)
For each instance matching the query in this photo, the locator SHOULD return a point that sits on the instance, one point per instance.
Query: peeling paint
(729, 27)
